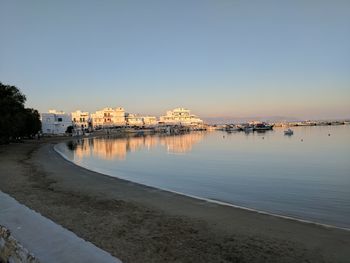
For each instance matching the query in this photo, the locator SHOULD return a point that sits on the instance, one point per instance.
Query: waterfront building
(137, 120)
(119, 116)
(80, 119)
(180, 116)
(134, 120)
(150, 121)
(102, 118)
(108, 117)
(55, 122)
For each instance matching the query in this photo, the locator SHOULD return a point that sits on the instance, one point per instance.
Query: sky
(218, 58)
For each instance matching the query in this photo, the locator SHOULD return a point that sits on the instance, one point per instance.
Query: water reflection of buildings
(117, 148)
(181, 144)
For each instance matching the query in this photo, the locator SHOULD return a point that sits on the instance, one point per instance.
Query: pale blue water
(307, 179)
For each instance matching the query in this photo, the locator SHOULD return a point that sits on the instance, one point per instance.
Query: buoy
(329, 134)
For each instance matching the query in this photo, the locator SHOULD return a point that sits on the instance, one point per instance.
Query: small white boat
(248, 129)
(232, 128)
(288, 132)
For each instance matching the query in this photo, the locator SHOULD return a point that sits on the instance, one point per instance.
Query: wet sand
(142, 224)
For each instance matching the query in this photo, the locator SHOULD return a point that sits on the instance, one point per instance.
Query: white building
(150, 121)
(134, 120)
(138, 120)
(180, 116)
(119, 116)
(55, 122)
(80, 119)
(108, 117)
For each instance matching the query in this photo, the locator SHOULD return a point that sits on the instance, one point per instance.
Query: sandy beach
(142, 224)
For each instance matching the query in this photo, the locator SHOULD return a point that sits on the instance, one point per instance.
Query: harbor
(277, 184)
(177, 121)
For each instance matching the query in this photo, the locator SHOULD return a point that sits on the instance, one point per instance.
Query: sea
(305, 176)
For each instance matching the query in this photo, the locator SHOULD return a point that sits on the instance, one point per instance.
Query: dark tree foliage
(16, 121)
(69, 129)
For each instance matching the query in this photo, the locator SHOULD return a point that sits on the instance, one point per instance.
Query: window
(59, 119)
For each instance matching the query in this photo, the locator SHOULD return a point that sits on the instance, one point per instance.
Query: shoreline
(207, 199)
(306, 221)
(138, 223)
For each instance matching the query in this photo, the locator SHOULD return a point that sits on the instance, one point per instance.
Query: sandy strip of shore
(142, 224)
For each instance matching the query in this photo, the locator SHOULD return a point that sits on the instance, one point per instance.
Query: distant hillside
(221, 120)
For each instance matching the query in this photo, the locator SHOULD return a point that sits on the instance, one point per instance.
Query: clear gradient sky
(218, 58)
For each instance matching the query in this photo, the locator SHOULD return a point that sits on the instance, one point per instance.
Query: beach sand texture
(141, 224)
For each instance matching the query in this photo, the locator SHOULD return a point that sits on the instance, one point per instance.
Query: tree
(15, 120)
(32, 122)
(69, 129)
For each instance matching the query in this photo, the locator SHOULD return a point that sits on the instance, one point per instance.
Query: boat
(262, 126)
(288, 132)
(232, 128)
(246, 127)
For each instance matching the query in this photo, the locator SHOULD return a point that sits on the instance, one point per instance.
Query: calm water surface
(305, 176)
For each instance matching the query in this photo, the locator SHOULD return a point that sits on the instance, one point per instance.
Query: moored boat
(246, 127)
(232, 128)
(262, 126)
(288, 132)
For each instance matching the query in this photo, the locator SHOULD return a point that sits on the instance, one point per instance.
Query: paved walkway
(45, 239)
